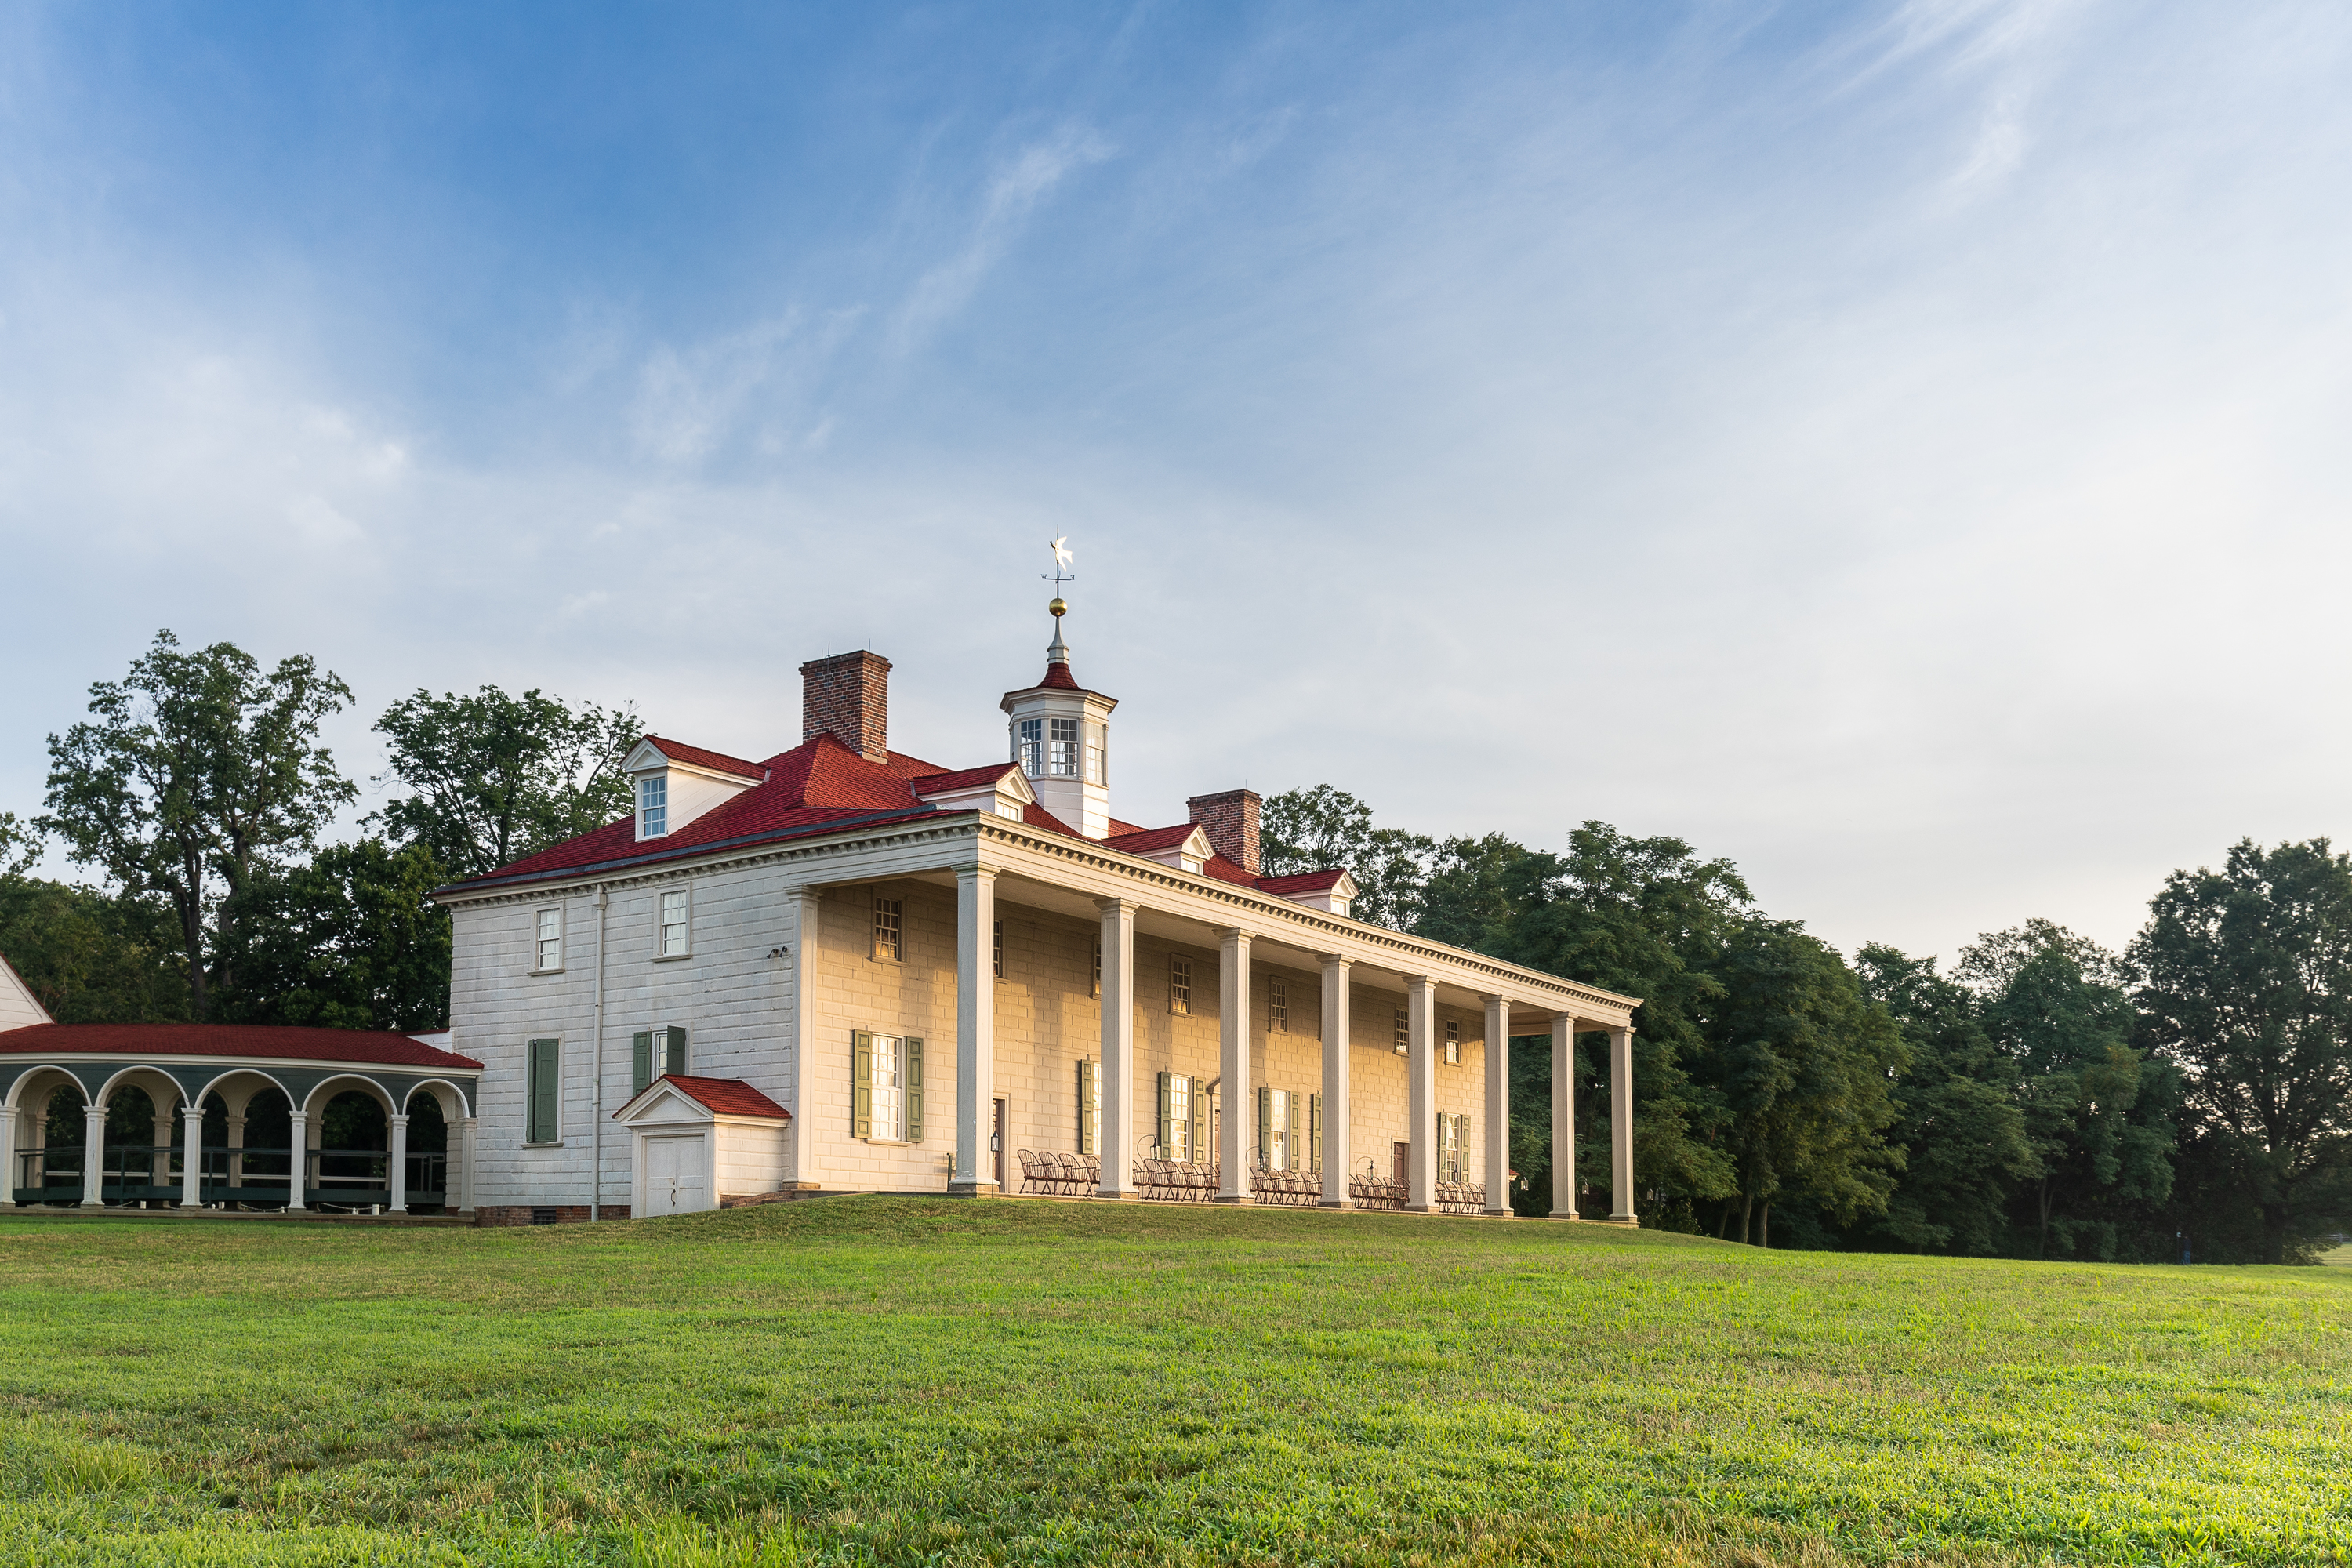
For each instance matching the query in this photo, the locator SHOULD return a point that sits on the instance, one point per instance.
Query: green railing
(333, 1178)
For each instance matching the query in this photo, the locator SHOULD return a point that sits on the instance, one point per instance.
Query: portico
(1084, 980)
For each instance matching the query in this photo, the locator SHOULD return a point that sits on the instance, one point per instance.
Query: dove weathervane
(1061, 572)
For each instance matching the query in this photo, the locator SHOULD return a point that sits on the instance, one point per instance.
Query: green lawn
(872, 1380)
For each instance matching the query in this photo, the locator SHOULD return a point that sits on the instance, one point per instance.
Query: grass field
(898, 1381)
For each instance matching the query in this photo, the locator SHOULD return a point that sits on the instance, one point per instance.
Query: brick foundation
(529, 1213)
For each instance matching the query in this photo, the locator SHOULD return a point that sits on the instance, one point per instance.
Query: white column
(10, 1176)
(298, 1160)
(399, 1171)
(158, 1163)
(1563, 1116)
(1498, 1108)
(1421, 1095)
(801, 1134)
(192, 1158)
(975, 1029)
(1235, 1146)
(236, 1146)
(464, 1174)
(93, 1154)
(1335, 1083)
(1115, 1130)
(1620, 1125)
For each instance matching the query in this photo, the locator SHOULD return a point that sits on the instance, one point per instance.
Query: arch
(145, 1077)
(235, 1104)
(446, 1094)
(345, 1083)
(20, 1093)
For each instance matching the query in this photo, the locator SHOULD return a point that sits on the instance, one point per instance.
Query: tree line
(198, 790)
(2040, 1098)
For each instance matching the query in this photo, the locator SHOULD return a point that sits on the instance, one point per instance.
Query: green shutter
(1198, 1131)
(641, 1061)
(1166, 1144)
(1089, 1106)
(543, 1089)
(861, 1084)
(1291, 1130)
(676, 1054)
(1315, 1131)
(1265, 1125)
(914, 1052)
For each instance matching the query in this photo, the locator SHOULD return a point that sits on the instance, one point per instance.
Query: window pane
(672, 924)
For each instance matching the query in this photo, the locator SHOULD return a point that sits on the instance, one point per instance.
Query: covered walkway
(235, 1118)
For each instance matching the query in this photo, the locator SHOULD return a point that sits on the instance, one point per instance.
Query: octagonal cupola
(1060, 734)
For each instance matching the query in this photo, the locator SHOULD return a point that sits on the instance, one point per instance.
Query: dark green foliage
(1641, 916)
(1316, 829)
(350, 941)
(1802, 1063)
(2057, 1006)
(92, 959)
(2249, 986)
(498, 778)
(196, 772)
(1959, 1123)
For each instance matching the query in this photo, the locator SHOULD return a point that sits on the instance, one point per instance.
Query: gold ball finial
(1059, 609)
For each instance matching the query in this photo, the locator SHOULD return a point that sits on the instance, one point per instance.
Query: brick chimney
(1231, 822)
(848, 698)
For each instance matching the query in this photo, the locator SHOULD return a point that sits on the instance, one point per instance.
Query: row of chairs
(1368, 1192)
(1462, 1198)
(1291, 1189)
(1059, 1175)
(1176, 1181)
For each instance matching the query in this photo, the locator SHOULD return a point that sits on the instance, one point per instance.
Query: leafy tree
(1960, 1129)
(1641, 916)
(352, 941)
(1804, 1062)
(20, 845)
(197, 772)
(2248, 985)
(2055, 1003)
(92, 959)
(1318, 829)
(499, 778)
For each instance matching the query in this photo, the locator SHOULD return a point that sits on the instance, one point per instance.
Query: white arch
(319, 1097)
(230, 1075)
(128, 1077)
(447, 1095)
(17, 1097)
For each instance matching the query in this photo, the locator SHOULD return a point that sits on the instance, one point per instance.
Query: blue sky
(1897, 446)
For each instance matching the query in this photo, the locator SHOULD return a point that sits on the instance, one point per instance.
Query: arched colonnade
(344, 1128)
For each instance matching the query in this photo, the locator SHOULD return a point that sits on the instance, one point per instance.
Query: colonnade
(976, 1060)
(301, 1118)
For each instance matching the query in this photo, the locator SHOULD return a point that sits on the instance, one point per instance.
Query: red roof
(970, 778)
(720, 1097)
(822, 786)
(276, 1042)
(1302, 882)
(717, 761)
(1147, 839)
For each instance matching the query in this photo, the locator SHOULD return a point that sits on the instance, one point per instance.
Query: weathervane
(1061, 572)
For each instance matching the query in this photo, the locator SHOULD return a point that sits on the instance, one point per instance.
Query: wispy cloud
(1015, 191)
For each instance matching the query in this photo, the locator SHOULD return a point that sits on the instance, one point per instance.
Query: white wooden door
(678, 1173)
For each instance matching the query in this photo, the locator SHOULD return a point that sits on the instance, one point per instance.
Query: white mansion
(844, 969)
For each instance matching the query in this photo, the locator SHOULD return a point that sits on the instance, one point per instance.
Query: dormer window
(1062, 751)
(653, 806)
